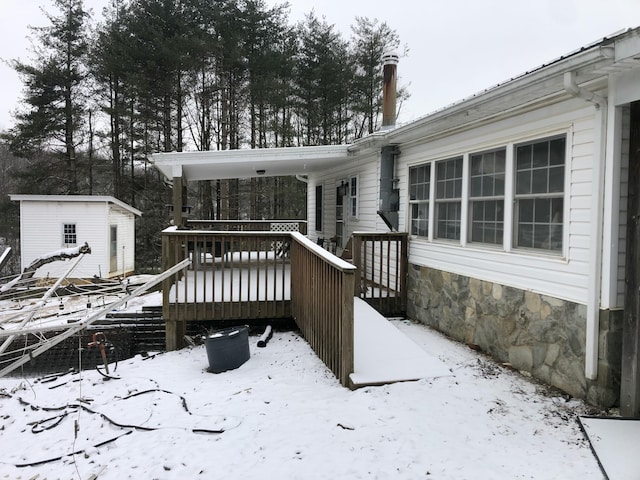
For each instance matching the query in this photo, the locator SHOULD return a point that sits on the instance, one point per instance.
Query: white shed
(52, 222)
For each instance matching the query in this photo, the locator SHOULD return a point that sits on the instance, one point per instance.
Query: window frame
(538, 198)
(495, 197)
(67, 234)
(448, 192)
(425, 201)
(509, 197)
(353, 194)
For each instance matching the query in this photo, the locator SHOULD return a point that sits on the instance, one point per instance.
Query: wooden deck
(246, 275)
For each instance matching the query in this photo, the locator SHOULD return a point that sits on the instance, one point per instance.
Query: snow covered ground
(284, 415)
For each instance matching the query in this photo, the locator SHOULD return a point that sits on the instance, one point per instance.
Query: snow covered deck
(243, 284)
(272, 275)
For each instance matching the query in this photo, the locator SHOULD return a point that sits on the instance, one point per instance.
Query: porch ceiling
(220, 164)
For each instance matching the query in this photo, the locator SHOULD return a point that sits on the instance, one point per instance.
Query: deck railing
(381, 260)
(244, 275)
(250, 225)
(322, 291)
(234, 276)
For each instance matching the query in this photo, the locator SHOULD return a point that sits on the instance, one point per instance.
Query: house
(49, 223)
(520, 205)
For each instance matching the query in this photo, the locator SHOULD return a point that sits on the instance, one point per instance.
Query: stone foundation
(542, 335)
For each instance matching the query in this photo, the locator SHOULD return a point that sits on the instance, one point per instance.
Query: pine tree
(54, 90)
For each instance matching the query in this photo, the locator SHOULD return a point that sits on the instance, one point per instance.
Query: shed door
(113, 248)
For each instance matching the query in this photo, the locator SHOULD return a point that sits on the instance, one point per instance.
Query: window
(486, 196)
(419, 189)
(318, 208)
(69, 237)
(539, 194)
(448, 198)
(353, 197)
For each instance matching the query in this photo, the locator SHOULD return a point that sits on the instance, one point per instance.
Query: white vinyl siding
(560, 274)
(367, 198)
(41, 233)
(41, 228)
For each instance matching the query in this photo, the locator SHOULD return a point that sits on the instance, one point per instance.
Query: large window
(69, 237)
(539, 194)
(419, 189)
(448, 198)
(525, 181)
(486, 196)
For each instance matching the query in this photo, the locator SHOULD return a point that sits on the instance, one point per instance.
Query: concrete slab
(615, 443)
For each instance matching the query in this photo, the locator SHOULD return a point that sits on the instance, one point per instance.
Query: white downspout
(597, 207)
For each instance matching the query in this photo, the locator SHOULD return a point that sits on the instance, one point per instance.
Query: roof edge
(74, 198)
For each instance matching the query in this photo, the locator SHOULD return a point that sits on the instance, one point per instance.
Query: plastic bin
(227, 349)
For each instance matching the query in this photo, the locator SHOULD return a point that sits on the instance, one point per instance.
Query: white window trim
(75, 227)
(508, 245)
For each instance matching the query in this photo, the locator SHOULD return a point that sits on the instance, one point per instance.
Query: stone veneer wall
(539, 334)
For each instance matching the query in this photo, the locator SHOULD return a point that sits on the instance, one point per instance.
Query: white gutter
(597, 209)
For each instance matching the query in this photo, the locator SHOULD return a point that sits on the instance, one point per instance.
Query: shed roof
(76, 199)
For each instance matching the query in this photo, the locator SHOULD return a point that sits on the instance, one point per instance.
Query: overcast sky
(455, 48)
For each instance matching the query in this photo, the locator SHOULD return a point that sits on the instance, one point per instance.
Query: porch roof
(245, 163)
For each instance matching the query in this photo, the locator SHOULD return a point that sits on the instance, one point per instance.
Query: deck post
(175, 332)
(178, 195)
(404, 270)
(356, 259)
(347, 327)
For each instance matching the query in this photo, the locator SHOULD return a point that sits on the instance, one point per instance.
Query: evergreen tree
(54, 90)
(323, 81)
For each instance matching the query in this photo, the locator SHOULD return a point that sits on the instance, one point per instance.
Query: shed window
(69, 237)
(419, 191)
(539, 194)
(448, 198)
(486, 196)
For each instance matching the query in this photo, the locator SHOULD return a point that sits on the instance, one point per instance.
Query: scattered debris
(29, 271)
(266, 336)
(71, 329)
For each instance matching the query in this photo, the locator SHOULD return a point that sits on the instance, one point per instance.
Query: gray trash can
(227, 349)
